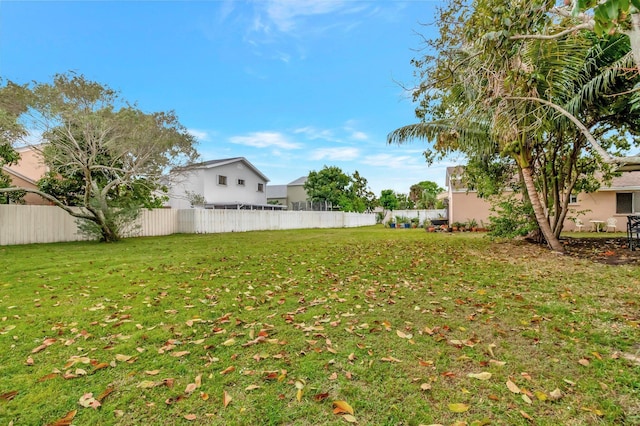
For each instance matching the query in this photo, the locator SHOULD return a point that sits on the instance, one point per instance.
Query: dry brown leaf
(228, 370)
(320, 397)
(204, 396)
(226, 399)
(66, 420)
(8, 396)
(190, 417)
(180, 353)
(425, 386)
(526, 416)
(152, 372)
(123, 358)
(480, 376)
(584, 362)
(555, 394)
(349, 418)
(190, 388)
(513, 387)
(340, 407)
(45, 344)
(252, 387)
(105, 394)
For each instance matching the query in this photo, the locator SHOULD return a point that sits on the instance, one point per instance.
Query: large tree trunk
(538, 210)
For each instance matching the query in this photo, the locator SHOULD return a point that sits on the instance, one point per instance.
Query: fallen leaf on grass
(390, 359)
(48, 377)
(458, 408)
(148, 384)
(555, 395)
(87, 400)
(190, 388)
(226, 399)
(123, 358)
(425, 386)
(29, 361)
(152, 372)
(252, 387)
(340, 407)
(190, 417)
(403, 335)
(480, 376)
(595, 411)
(180, 354)
(584, 362)
(228, 370)
(8, 396)
(204, 396)
(105, 394)
(540, 395)
(45, 344)
(320, 397)
(513, 387)
(526, 416)
(349, 418)
(66, 420)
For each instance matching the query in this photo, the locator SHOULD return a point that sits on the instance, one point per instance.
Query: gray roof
(299, 181)
(276, 191)
(224, 161)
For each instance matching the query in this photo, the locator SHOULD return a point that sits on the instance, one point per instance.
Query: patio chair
(611, 223)
(633, 232)
(579, 225)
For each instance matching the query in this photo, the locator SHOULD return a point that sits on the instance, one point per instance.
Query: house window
(627, 202)
(261, 187)
(222, 180)
(573, 198)
(241, 182)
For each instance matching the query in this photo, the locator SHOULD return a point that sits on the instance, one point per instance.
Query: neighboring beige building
(614, 201)
(27, 172)
(292, 195)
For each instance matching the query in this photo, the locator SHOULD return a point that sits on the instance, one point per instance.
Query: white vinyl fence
(47, 224)
(422, 215)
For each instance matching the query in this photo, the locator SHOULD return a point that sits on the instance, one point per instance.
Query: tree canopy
(105, 155)
(556, 109)
(347, 192)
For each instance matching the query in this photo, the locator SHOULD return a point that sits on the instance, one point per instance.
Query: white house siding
(232, 192)
(204, 181)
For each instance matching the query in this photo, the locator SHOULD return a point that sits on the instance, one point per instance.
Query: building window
(573, 198)
(222, 180)
(261, 187)
(627, 202)
(241, 182)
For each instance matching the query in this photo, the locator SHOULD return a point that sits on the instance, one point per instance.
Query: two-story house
(229, 183)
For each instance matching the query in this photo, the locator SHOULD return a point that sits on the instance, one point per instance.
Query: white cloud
(265, 140)
(313, 133)
(200, 135)
(390, 161)
(335, 154)
(285, 13)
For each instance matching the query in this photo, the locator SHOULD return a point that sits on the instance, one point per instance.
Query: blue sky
(292, 85)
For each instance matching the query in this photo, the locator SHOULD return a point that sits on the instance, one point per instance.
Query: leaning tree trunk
(541, 218)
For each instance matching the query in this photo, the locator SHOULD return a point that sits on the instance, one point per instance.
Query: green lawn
(404, 326)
